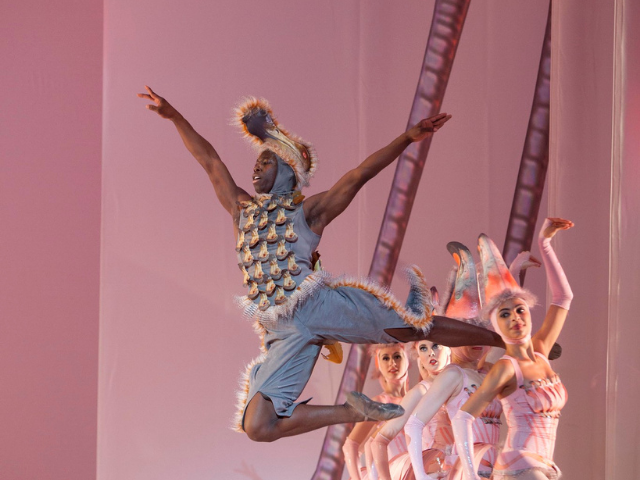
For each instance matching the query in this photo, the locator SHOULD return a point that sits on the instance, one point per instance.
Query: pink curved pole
(533, 164)
(444, 36)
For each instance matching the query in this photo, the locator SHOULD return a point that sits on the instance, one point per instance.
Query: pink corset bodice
(532, 412)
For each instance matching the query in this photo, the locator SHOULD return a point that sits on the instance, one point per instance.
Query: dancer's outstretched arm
(443, 387)
(561, 294)
(495, 382)
(322, 208)
(227, 191)
(351, 451)
(393, 427)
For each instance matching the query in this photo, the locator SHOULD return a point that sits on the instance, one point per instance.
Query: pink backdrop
(50, 140)
(342, 75)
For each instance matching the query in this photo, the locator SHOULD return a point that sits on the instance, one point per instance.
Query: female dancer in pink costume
(392, 366)
(458, 381)
(432, 359)
(530, 391)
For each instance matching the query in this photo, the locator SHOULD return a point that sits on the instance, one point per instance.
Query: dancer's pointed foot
(373, 410)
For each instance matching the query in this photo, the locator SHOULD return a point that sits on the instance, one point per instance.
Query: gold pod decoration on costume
(255, 238)
(292, 266)
(275, 270)
(264, 302)
(240, 241)
(281, 218)
(272, 234)
(272, 205)
(260, 199)
(264, 219)
(245, 274)
(247, 259)
(258, 274)
(286, 203)
(269, 286)
(253, 290)
(249, 209)
(263, 255)
(287, 282)
(281, 252)
(289, 235)
(280, 297)
(251, 222)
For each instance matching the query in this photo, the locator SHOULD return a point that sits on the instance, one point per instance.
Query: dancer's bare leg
(262, 424)
(449, 332)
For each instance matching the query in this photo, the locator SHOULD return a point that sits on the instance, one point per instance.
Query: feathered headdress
(255, 118)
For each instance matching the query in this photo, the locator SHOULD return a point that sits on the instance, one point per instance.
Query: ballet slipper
(373, 410)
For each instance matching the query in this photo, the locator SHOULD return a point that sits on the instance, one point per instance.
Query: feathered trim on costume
(529, 298)
(419, 292)
(303, 175)
(419, 322)
(243, 392)
(305, 290)
(318, 279)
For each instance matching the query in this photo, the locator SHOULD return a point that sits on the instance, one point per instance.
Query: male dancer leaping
(296, 309)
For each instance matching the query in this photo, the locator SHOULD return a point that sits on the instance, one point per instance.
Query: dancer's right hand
(551, 226)
(161, 107)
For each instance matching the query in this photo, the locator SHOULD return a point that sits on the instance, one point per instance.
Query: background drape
(121, 344)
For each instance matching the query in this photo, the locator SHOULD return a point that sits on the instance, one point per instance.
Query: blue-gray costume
(296, 309)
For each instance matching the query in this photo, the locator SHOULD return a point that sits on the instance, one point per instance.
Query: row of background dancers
(452, 420)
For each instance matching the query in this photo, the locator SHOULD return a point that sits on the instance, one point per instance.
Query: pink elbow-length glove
(463, 433)
(413, 433)
(352, 458)
(381, 456)
(372, 473)
(561, 294)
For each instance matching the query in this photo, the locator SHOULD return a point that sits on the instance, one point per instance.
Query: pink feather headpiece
(499, 285)
(496, 279)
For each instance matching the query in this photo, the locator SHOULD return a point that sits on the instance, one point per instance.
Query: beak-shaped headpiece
(496, 281)
(256, 119)
(464, 300)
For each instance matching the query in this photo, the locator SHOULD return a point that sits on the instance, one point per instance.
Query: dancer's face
(469, 353)
(393, 362)
(514, 319)
(264, 172)
(432, 356)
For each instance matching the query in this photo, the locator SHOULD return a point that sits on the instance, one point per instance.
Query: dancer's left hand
(429, 125)
(552, 224)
